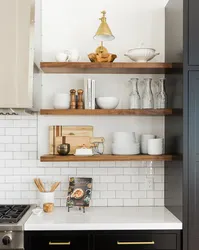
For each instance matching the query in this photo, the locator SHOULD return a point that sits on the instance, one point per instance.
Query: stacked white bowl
(124, 143)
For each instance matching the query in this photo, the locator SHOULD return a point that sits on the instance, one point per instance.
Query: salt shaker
(80, 104)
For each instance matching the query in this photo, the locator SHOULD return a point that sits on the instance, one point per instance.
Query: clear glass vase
(162, 98)
(134, 100)
(147, 98)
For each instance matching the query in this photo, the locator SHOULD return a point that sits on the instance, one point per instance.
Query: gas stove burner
(12, 213)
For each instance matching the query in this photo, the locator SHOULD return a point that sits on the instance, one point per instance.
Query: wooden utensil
(54, 186)
(37, 183)
(41, 184)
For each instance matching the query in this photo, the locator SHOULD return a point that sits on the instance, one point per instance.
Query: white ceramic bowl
(61, 101)
(125, 137)
(126, 150)
(107, 102)
(141, 54)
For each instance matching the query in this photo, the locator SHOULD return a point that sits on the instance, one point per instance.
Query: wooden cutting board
(60, 131)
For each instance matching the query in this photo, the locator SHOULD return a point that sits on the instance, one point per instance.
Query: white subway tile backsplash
(99, 186)
(146, 202)
(20, 139)
(107, 179)
(20, 155)
(31, 147)
(114, 183)
(123, 194)
(6, 171)
(6, 139)
(28, 131)
(100, 171)
(138, 194)
(123, 179)
(130, 186)
(13, 147)
(115, 202)
(13, 131)
(115, 171)
(115, 186)
(131, 202)
(107, 194)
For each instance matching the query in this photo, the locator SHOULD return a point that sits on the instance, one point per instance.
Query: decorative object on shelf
(75, 136)
(80, 103)
(63, 149)
(98, 145)
(89, 93)
(124, 143)
(61, 57)
(147, 98)
(61, 101)
(144, 142)
(141, 54)
(48, 207)
(107, 102)
(79, 192)
(134, 100)
(103, 34)
(162, 98)
(72, 99)
(72, 55)
(156, 146)
(83, 151)
(46, 197)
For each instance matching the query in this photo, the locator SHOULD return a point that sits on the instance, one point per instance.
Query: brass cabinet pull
(136, 243)
(59, 243)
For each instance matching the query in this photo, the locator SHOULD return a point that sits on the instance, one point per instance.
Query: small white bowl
(37, 211)
(107, 102)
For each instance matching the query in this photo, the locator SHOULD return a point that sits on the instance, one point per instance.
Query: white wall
(72, 24)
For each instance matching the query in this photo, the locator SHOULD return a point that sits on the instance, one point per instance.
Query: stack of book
(89, 93)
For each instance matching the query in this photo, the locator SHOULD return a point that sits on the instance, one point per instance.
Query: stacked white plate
(124, 143)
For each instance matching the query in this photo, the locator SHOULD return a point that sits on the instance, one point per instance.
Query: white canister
(61, 101)
(144, 142)
(46, 197)
(156, 146)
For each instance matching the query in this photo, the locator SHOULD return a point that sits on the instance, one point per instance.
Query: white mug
(73, 55)
(156, 146)
(46, 197)
(61, 57)
(144, 142)
(61, 101)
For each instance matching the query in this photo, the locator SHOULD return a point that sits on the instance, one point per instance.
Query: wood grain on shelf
(105, 68)
(141, 112)
(58, 158)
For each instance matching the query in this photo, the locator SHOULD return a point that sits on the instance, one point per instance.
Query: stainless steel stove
(12, 220)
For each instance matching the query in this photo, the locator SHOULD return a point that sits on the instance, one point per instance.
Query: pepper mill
(73, 99)
(80, 104)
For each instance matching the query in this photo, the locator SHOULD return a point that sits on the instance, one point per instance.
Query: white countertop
(105, 218)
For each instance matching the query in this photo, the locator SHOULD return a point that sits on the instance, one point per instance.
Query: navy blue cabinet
(193, 32)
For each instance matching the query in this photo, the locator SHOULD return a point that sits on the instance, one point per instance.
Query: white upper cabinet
(16, 53)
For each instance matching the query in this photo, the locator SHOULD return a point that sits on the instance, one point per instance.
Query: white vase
(162, 99)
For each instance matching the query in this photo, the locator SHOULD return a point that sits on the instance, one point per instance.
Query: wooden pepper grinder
(80, 104)
(73, 99)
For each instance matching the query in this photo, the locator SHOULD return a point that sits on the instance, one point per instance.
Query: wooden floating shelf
(58, 158)
(108, 68)
(139, 112)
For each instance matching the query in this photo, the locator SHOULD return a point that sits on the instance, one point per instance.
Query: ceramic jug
(73, 55)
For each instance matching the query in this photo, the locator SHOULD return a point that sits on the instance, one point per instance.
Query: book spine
(93, 94)
(89, 86)
(85, 94)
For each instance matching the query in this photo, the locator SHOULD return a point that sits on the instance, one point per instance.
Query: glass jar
(147, 98)
(134, 100)
(162, 99)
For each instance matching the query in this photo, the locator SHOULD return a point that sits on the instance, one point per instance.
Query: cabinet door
(16, 67)
(193, 32)
(56, 240)
(193, 201)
